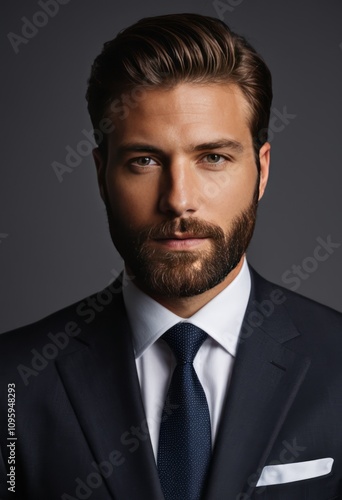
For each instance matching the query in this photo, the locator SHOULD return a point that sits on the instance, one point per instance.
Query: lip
(181, 236)
(181, 241)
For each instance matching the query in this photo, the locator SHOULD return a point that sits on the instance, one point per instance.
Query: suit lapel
(101, 382)
(100, 378)
(265, 381)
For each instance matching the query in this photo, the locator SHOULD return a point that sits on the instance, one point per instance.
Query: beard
(178, 274)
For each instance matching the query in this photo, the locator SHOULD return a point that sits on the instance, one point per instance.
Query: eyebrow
(220, 144)
(147, 148)
(137, 148)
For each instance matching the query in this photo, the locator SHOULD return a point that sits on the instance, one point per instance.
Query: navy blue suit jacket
(80, 424)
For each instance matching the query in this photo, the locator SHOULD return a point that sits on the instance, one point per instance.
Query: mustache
(192, 226)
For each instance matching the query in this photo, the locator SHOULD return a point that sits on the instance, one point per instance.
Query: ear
(264, 158)
(100, 169)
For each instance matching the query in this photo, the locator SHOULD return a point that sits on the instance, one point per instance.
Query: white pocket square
(287, 473)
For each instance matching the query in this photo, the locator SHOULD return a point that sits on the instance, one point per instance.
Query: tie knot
(185, 339)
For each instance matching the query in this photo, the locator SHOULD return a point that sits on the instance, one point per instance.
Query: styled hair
(163, 51)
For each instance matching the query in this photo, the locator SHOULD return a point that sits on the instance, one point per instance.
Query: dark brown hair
(165, 50)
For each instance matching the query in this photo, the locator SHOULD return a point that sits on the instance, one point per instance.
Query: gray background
(54, 243)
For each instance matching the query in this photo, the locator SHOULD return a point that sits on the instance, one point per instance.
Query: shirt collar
(221, 318)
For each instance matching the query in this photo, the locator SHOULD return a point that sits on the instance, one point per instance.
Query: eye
(214, 158)
(143, 161)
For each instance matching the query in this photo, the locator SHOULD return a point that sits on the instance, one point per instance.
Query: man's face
(181, 187)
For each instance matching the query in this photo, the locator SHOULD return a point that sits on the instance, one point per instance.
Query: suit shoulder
(69, 319)
(307, 314)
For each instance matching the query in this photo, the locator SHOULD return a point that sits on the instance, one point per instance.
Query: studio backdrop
(55, 246)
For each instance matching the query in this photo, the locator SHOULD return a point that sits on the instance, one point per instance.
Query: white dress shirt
(221, 319)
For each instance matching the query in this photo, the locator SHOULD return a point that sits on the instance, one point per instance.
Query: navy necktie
(185, 434)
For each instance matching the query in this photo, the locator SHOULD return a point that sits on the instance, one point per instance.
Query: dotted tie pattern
(185, 434)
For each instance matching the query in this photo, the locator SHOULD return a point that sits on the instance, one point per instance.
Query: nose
(179, 194)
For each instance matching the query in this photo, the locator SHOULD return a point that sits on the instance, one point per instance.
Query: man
(104, 399)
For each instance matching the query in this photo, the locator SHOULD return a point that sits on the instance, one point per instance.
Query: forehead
(186, 112)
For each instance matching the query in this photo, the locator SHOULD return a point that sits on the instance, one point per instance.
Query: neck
(187, 306)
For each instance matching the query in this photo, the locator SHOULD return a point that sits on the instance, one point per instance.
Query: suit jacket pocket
(321, 488)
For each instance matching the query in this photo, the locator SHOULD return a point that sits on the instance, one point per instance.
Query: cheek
(230, 195)
(130, 202)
